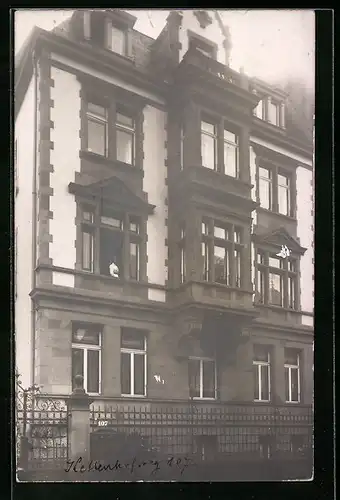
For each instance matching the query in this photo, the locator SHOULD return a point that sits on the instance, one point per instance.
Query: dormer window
(116, 39)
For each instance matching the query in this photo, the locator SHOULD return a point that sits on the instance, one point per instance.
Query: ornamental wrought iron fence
(41, 427)
(227, 432)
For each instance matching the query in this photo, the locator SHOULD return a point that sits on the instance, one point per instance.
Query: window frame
(91, 116)
(128, 236)
(182, 255)
(286, 275)
(212, 135)
(259, 364)
(85, 348)
(210, 241)
(129, 130)
(274, 172)
(132, 352)
(290, 367)
(110, 26)
(236, 146)
(201, 360)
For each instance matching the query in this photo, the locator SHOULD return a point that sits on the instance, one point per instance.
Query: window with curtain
(261, 368)
(292, 375)
(86, 356)
(133, 362)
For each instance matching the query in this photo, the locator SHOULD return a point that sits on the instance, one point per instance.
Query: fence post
(79, 428)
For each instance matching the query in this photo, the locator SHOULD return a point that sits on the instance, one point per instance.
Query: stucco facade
(166, 196)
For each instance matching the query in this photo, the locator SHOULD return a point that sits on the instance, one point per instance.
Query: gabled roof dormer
(278, 238)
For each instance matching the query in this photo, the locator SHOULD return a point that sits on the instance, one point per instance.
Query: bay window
(276, 280)
(202, 378)
(261, 367)
(133, 362)
(86, 356)
(221, 252)
(292, 375)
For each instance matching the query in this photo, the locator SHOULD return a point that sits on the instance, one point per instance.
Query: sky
(274, 45)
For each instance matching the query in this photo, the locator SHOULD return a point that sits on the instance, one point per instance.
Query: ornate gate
(41, 425)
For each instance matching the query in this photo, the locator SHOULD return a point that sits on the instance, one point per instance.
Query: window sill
(271, 212)
(133, 396)
(104, 160)
(223, 175)
(262, 401)
(204, 399)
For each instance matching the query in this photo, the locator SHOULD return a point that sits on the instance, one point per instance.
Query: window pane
(77, 364)
(205, 255)
(220, 232)
(229, 136)
(260, 286)
(205, 228)
(264, 173)
(87, 257)
(208, 127)
(124, 119)
(265, 382)
(96, 137)
(220, 264)
(126, 372)
(133, 339)
(139, 375)
(85, 335)
(275, 289)
(291, 292)
(291, 357)
(208, 379)
(260, 258)
(295, 384)
(194, 378)
(273, 113)
(134, 225)
(134, 261)
(237, 255)
(88, 213)
(96, 110)
(292, 265)
(117, 41)
(124, 146)
(259, 110)
(283, 199)
(261, 353)
(208, 151)
(265, 194)
(287, 383)
(256, 382)
(92, 371)
(237, 235)
(230, 159)
(182, 265)
(275, 262)
(110, 221)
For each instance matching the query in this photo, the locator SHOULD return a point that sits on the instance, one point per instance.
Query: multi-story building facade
(156, 193)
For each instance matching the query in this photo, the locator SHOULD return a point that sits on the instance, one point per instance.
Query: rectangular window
(181, 145)
(292, 375)
(265, 188)
(221, 232)
(125, 138)
(202, 378)
(261, 367)
(205, 255)
(134, 260)
(283, 194)
(237, 263)
(260, 282)
(274, 112)
(222, 265)
(291, 292)
(86, 357)
(87, 249)
(230, 153)
(209, 145)
(133, 363)
(259, 110)
(97, 129)
(117, 40)
(182, 256)
(275, 289)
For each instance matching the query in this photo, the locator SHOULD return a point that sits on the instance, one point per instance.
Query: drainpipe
(34, 213)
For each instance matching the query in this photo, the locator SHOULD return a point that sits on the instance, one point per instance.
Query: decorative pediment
(112, 191)
(280, 238)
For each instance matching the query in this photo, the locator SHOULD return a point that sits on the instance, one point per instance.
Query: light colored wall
(305, 222)
(24, 134)
(65, 115)
(211, 32)
(155, 173)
